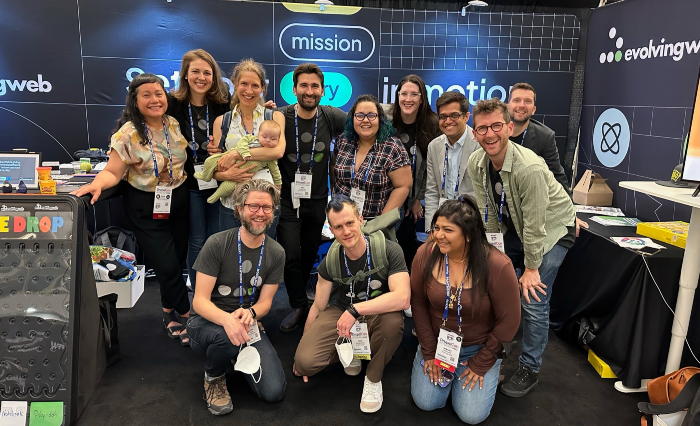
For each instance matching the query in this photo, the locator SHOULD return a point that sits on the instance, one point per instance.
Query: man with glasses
(238, 272)
(309, 130)
(529, 215)
(448, 154)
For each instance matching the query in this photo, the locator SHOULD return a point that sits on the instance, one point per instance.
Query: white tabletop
(678, 195)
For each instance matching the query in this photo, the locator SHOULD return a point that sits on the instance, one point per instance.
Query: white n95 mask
(344, 350)
(248, 362)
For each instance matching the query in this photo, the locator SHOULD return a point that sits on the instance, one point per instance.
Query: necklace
(456, 261)
(198, 112)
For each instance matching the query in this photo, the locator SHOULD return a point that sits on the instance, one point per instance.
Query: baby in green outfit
(268, 137)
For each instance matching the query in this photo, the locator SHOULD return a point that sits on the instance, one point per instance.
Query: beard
(527, 117)
(304, 103)
(248, 225)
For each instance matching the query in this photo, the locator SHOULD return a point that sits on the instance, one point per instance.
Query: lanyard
(444, 175)
(194, 146)
(503, 199)
(413, 161)
(243, 123)
(153, 154)
(352, 171)
(447, 297)
(240, 271)
(352, 282)
(313, 145)
(523, 139)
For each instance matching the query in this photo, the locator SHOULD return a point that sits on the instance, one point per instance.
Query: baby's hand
(279, 187)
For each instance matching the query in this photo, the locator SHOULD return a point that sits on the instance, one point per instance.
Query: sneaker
(372, 397)
(354, 368)
(216, 395)
(520, 383)
(408, 312)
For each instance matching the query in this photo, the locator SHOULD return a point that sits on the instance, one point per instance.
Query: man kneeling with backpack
(366, 322)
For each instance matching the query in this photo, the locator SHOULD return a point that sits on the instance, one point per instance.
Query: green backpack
(377, 230)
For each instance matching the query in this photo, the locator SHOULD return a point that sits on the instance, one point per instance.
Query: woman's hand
(237, 173)
(417, 210)
(90, 188)
(471, 378)
(228, 160)
(212, 148)
(431, 370)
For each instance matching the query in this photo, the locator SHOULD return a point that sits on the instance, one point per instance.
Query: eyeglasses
(359, 116)
(255, 207)
(496, 127)
(406, 95)
(454, 116)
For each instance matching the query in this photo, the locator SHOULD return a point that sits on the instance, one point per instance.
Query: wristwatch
(252, 312)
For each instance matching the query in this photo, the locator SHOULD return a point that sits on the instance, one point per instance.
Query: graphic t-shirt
(219, 258)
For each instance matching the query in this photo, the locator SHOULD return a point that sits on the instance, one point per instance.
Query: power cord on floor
(644, 257)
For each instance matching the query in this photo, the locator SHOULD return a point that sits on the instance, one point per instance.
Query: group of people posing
(238, 192)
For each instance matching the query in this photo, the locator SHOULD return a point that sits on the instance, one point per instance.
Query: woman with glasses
(371, 165)
(466, 304)
(416, 125)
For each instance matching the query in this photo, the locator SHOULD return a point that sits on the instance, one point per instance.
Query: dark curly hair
(386, 130)
(131, 111)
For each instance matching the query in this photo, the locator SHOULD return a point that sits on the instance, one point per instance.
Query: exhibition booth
(618, 85)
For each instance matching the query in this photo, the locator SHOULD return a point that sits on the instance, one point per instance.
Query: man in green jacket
(527, 214)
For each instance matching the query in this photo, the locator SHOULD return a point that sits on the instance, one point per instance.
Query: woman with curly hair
(371, 165)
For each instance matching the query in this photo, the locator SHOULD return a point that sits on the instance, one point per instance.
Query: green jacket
(539, 206)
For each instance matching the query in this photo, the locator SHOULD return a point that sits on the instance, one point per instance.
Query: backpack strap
(105, 239)
(333, 262)
(377, 246)
(380, 263)
(269, 113)
(121, 239)
(225, 124)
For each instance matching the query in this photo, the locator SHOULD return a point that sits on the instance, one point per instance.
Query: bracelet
(252, 312)
(353, 311)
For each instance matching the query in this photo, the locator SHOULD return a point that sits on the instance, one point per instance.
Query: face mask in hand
(248, 362)
(345, 352)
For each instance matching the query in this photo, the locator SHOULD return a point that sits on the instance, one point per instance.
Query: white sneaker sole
(372, 410)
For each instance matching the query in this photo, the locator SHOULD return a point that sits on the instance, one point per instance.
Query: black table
(605, 297)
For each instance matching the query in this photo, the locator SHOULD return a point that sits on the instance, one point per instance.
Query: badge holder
(359, 336)
(254, 333)
(202, 184)
(358, 196)
(162, 201)
(448, 348)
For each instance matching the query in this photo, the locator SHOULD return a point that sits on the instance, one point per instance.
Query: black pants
(406, 236)
(300, 238)
(163, 241)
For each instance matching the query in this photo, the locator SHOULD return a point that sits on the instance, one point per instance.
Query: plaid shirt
(382, 158)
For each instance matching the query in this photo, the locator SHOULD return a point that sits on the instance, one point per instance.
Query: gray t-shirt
(219, 258)
(395, 260)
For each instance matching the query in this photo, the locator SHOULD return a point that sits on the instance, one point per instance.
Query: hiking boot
(292, 321)
(354, 368)
(520, 383)
(216, 395)
(372, 397)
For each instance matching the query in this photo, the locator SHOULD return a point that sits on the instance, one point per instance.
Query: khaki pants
(316, 349)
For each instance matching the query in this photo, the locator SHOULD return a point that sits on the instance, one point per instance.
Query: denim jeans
(535, 317)
(211, 339)
(204, 222)
(471, 407)
(227, 220)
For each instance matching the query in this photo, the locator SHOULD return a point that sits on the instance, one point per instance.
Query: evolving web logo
(674, 50)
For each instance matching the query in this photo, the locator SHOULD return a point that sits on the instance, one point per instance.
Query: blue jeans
(211, 339)
(204, 222)
(227, 221)
(535, 318)
(471, 407)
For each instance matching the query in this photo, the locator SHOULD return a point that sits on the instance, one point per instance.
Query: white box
(128, 291)
(675, 419)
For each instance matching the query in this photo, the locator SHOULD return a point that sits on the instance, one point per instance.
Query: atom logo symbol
(616, 130)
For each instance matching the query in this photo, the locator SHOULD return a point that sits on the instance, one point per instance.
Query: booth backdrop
(641, 74)
(63, 77)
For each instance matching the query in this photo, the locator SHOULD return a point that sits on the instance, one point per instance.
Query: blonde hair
(247, 64)
(240, 194)
(272, 124)
(218, 93)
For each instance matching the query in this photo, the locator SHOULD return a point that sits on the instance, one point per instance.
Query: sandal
(184, 336)
(175, 330)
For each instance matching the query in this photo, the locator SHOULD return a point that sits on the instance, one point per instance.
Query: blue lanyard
(243, 123)
(444, 175)
(523, 139)
(240, 271)
(447, 297)
(352, 171)
(503, 199)
(153, 154)
(194, 146)
(347, 269)
(413, 162)
(313, 145)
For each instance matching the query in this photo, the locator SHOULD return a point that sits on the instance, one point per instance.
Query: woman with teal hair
(371, 165)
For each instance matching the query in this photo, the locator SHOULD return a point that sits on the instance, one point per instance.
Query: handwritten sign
(46, 414)
(13, 413)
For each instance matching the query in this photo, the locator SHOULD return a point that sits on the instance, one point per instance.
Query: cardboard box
(600, 366)
(128, 291)
(592, 190)
(674, 233)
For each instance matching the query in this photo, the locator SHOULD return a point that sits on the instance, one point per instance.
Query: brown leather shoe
(292, 321)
